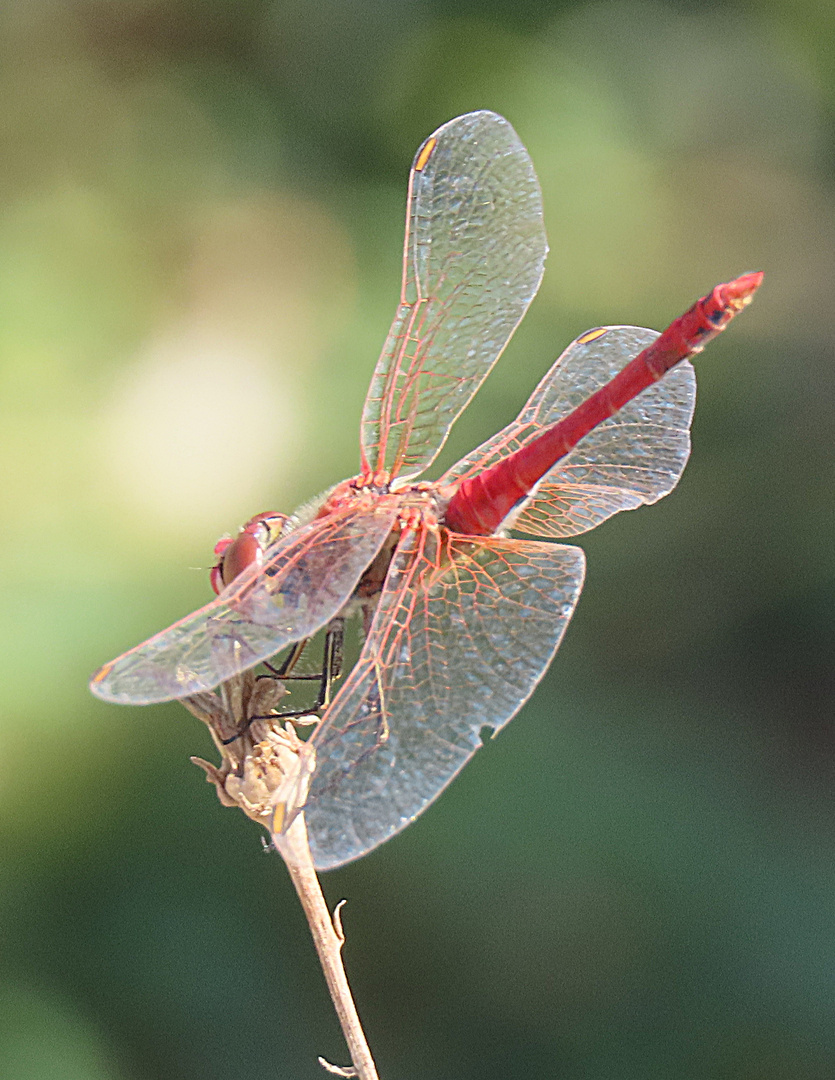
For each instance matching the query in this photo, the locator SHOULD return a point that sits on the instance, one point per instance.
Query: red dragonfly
(461, 620)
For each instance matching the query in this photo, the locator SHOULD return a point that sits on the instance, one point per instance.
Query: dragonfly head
(248, 547)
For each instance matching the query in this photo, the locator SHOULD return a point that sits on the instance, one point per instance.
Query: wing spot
(425, 154)
(592, 335)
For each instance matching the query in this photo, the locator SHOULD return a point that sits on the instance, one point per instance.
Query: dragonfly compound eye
(247, 548)
(235, 557)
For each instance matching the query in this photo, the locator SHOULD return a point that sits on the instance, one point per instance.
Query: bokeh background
(201, 210)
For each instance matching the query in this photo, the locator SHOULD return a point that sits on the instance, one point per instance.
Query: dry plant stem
(263, 763)
(328, 939)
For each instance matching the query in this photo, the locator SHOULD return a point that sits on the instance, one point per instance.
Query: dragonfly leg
(281, 673)
(331, 670)
(333, 660)
(289, 663)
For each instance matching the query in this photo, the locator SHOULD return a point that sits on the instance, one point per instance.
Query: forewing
(459, 641)
(635, 457)
(473, 259)
(306, 579)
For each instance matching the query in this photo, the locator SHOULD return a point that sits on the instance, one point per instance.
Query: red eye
(240, 554)
(247, 548)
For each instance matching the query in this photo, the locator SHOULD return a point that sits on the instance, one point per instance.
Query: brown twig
(265, 768)
(328, 939)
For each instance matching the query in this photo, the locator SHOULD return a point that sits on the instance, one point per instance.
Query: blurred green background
(201, 211)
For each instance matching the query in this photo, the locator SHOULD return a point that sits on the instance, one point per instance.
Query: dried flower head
(265, 766)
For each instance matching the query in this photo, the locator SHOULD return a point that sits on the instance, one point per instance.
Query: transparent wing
(461, 637)
(473, 258)
(305, 580)
(635, 457)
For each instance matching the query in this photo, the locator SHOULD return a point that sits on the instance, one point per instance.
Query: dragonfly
(460, 615)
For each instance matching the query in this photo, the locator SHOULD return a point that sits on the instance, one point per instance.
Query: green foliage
(200, 228)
